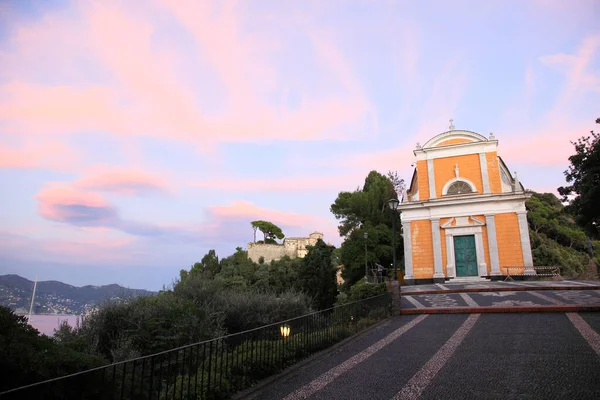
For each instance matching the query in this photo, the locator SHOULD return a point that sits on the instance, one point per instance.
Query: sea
(47, 323)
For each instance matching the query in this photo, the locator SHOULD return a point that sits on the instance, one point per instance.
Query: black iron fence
(217, 368)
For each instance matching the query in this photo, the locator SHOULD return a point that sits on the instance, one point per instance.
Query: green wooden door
(465, 255)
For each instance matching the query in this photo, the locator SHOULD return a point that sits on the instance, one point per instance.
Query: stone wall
(294, 247)
(268, 251)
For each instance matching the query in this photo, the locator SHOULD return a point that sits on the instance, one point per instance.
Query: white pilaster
(431, 179)
(408, 267)
(525, 242)
(481, 264)
(484, 173)
(490, 221)
(437, 249)
(450, 270)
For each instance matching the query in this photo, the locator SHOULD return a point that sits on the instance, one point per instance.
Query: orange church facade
(464, 214)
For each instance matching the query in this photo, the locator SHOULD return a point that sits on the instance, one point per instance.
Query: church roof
(454, 137)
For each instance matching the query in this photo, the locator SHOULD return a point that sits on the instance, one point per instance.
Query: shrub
(362, 290)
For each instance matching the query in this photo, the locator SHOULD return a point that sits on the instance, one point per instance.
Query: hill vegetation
(556, 239)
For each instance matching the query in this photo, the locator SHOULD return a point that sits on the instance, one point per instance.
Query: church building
(464, 215)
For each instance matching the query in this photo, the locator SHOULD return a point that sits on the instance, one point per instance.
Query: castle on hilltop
(293, 247)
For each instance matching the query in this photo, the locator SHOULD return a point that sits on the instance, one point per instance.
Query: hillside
(555, 237)
(58, 297)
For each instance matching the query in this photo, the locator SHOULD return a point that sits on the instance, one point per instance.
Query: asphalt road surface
(456, 356)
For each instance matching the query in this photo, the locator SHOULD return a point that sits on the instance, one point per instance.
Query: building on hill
(464, 213)
(293, 247)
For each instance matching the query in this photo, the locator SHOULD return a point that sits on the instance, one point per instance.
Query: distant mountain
(53, 297)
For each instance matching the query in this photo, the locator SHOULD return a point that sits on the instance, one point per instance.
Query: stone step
(467, 279)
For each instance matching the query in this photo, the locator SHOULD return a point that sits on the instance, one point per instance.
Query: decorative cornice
(468, 199)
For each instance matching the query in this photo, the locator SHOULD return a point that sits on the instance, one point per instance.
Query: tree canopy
(365, 211)
(366, 206)
(269, 230)
(583, 176)
(316, 275)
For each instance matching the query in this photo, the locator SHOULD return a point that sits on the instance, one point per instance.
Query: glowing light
(285, 330)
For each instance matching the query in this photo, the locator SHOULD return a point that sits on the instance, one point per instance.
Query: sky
(135, 139)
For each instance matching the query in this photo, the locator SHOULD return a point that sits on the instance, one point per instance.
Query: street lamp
(366, 270)
(393, 204)
(285, 330)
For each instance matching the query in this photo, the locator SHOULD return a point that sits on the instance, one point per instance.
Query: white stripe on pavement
(414, 302)
(469, 300)
(328, 377)
(422, 379)
(441, 286)
(588, 333)
(549, 299)
(518, 284)
(583, 283)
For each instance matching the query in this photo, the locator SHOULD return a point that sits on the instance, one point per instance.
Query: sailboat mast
(32, 298)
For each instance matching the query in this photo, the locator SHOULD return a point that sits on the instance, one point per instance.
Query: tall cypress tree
(316, 276)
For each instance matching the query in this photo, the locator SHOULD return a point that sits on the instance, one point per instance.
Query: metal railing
(217, 368)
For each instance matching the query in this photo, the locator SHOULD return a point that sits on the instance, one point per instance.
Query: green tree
(283, 274)
(270, 231)
(583, 176)
(237, 270)
(355, 209)
(316, 276)
(397, 182)
(210, 263)
(379, 250)
(208, 267)
(366, 211)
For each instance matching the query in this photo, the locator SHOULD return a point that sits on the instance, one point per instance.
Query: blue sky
(132, 141)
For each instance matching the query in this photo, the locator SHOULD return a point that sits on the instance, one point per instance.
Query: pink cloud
(292, 183)
(39, 154)
(124, 182)
(578, 77)
(233, 55)
(143, 91)
(240, 209)
(75, 207)
(32, 109)
(543, 146)
(396, 159)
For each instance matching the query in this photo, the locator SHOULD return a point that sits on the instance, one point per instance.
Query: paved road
(456, 356)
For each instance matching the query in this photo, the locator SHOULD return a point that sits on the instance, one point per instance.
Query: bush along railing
(217, 368)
